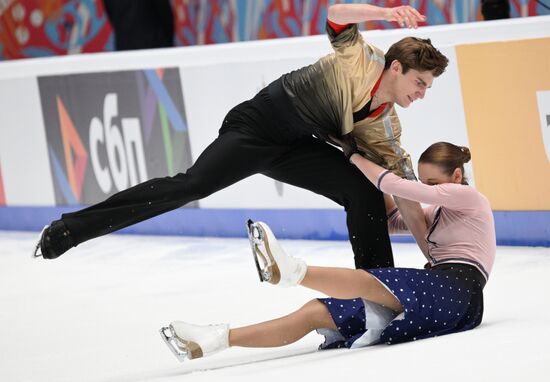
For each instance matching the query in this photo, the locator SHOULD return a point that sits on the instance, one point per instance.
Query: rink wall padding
(519, 228)
(76, 129)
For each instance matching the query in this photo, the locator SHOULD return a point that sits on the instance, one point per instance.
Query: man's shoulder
(375, 51)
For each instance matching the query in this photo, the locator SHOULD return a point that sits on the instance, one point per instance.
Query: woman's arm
(390, 204)
(355, 13)
(411, 212)
(413, 216)
(454, 196)
(370, 169)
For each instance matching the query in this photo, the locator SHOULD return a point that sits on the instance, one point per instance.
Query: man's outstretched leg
(226, 161)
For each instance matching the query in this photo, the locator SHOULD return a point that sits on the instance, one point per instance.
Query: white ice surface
(94, 315)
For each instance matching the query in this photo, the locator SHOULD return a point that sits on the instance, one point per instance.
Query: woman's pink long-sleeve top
(460, 220)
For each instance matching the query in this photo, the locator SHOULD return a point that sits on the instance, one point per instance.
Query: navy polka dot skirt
(442, 300)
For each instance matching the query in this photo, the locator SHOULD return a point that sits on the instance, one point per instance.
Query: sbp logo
(126, 127)
(118, 143)
(543, 100)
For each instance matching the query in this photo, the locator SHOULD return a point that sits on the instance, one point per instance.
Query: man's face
(411, 86)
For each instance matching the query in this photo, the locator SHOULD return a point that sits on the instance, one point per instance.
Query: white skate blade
(258, 241)
(37, 252)
(170, 341)
(251, 229)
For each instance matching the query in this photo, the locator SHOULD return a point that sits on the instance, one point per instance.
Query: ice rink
(94, 315)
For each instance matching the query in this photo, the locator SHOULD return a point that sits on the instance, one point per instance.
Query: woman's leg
(285, 330)
(347, 283)
(340, 283)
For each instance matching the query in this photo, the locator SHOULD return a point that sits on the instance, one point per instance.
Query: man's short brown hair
(418, 54)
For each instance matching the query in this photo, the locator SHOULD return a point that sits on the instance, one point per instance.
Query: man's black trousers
(257, 136)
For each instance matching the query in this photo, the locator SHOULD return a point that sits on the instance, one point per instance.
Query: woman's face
(432, 174)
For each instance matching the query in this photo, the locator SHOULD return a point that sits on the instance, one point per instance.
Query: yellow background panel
(499, 84)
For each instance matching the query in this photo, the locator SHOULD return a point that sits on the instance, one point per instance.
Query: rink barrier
(55, 138)
(516, 228)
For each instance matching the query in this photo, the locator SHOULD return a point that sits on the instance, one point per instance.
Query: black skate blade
(37, 252)
(170, 341)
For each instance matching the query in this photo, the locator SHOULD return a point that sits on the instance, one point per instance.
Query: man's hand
(348, 145)
(405, 16)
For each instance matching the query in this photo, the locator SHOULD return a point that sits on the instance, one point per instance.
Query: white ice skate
(277, 267)
(195, 341)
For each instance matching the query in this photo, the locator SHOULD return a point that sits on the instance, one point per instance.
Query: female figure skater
(388, 305)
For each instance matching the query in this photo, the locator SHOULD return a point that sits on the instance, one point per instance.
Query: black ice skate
(55, 240)
(276, 266)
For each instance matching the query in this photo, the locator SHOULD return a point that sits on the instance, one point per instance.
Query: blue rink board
(529, 228)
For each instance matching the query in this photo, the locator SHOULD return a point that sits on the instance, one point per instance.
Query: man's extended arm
(355, 13)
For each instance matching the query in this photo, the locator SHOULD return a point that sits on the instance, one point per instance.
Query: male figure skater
(283, 131)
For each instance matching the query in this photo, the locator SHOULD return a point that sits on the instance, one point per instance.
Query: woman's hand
(405, 15)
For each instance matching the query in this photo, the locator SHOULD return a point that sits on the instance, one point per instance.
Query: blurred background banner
(75, 129)
(504, 111)
(109, 131)
(37, 28)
